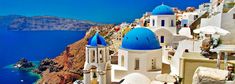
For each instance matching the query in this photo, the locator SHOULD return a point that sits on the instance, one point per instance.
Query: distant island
(39, 23)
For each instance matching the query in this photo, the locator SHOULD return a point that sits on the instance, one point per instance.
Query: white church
(139, 56)
(97, 64)
(163, 24)
(140, 53)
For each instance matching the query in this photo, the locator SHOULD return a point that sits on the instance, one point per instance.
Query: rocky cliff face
(71, 60)
(35, 23)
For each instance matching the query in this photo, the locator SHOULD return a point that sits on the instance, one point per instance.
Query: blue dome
(140, 39)
(97, 40)
(163, 10)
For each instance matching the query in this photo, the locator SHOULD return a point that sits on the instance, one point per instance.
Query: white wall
(158, 19)
(204, 22)
(228, 23)
(167, 18)
(145, 63)
(225, 21)
(168, 36)
(213, 21)
(185, 44)
(190, 16)
(124, 53)
(145, 57)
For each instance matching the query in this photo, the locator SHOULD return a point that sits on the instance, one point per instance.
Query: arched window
(101, 56)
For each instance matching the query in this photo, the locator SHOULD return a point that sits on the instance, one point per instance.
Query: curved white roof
(136, 78)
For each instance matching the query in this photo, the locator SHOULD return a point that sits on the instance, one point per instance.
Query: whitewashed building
(140, 53)
(223, 16)
(188, 18)
(163, 17)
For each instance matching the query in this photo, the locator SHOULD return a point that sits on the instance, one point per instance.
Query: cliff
(72, 60)
(36, 23)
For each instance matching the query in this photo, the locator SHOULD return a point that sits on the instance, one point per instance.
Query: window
(153, 22)
(137, 63)
(101, 56)
(88, 58)
(163, 23)
(122, 61)
(172, 23)
(153, 64)
(93, 56)
(185, 25)
(162, 39)
(195, 17)
(233, 16)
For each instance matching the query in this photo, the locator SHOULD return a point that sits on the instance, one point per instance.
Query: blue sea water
(41, 44)
(32, 45)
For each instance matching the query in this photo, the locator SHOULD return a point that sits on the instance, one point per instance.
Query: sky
(103, 11)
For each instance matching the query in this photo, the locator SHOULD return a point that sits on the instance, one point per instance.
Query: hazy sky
(106, 11)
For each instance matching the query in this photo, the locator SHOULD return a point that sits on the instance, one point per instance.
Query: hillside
(37, 23)
(69, 64)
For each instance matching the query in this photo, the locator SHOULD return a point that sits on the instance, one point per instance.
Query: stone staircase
(197, 22)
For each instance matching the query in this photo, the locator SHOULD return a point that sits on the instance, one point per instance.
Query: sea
(32, 45)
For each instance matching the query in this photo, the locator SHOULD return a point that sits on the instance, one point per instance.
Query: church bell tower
(97, 68)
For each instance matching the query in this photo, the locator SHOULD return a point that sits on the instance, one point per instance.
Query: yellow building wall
(188, 67)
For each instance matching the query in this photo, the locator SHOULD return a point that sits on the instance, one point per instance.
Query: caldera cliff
(67, 67)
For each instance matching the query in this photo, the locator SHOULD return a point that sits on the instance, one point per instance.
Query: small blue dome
(163, 10)
(140, 39)
(97, 40)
